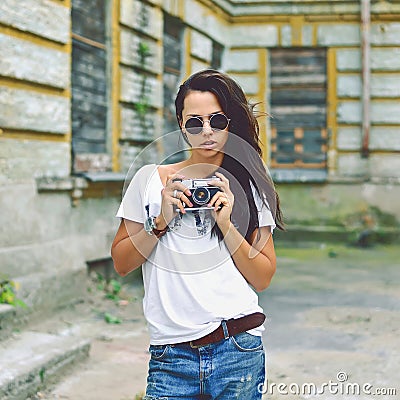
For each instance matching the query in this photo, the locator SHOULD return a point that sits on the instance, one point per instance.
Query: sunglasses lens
(194, 126)
(219, 121)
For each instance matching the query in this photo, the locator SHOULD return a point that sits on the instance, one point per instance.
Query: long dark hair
(245, 165)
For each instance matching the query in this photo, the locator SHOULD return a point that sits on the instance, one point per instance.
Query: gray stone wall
(131, 86)
(45, 66)
(340, 204)
(45, 243)
(141, 91)
(44, 18)
(46, 238)
(24, 160)
(142, 17)
(332, 200)
(384, 109)
(203, 20)
(344, 155)
(32, 111)
(34, 98)
(130, 44)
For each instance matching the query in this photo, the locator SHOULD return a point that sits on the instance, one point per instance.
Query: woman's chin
(209, 152)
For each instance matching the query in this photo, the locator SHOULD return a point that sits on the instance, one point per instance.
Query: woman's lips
(209, 144)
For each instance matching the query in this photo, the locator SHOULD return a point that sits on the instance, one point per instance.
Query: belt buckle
(195, 346)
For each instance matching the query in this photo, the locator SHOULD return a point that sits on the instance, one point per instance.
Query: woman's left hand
(222, 202)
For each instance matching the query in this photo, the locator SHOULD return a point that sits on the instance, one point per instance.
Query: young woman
(205, 246)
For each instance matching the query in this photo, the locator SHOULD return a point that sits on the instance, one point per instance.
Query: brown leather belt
(228, 328)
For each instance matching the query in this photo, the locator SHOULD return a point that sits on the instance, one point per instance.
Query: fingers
(184, 199)
(174, 178)
(224, 197)
(173, 202)
(176, 193)
(181, 201)
(174, 185)
(219, 200)
(179, 205)
(222, 177)
(222, 182)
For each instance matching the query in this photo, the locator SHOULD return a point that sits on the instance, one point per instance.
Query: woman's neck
(206, 157)
(196, 167)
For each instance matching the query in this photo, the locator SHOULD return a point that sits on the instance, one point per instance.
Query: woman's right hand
(173, 197)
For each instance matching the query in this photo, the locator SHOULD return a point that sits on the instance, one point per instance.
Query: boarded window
(298, 108)
(89, 86)
(217, 51)
(172, 47)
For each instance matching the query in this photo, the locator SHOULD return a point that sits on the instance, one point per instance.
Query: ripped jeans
(230, 369)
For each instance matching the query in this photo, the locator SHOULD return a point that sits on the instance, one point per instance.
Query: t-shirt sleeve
(131, 206)
(265, 217)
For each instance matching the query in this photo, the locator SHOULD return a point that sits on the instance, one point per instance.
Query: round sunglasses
(218, 122)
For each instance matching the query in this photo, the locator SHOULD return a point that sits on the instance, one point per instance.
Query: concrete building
(85, 86)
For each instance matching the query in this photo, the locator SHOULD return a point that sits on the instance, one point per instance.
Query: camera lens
(201, 195)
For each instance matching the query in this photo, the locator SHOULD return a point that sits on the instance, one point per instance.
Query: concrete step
(8, 315)
(298, 234)
(118, 358)
(44, 293)
(31, 360)
(36, 361)
(39, 256)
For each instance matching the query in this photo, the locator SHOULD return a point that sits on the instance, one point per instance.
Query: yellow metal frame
(262, 94)
(116, 86)
(332, 109)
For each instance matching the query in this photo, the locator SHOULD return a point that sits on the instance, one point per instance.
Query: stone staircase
(32, 360)
(44, 248)
(69, 344)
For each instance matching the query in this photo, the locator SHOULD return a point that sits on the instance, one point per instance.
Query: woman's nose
(207, 130)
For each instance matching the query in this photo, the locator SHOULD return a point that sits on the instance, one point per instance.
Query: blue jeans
(230, 369)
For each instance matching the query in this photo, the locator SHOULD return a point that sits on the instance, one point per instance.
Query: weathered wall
(141, 92)
(354, 184)
(340, 205)
(385, 92)
(42, 228)
(34, 90)
(46, 237)
(246, 62)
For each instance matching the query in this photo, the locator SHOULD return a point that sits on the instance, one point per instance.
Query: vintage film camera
(201, 193)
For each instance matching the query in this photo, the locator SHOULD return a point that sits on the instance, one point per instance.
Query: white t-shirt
(191, 282)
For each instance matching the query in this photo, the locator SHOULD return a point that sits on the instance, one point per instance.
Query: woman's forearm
(125, 253)
(257, 267)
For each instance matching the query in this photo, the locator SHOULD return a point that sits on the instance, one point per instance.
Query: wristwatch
(151, 228)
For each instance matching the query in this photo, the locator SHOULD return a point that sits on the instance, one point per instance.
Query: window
(89, 87)
(172, 39)
(298, 108)
(217, 51)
